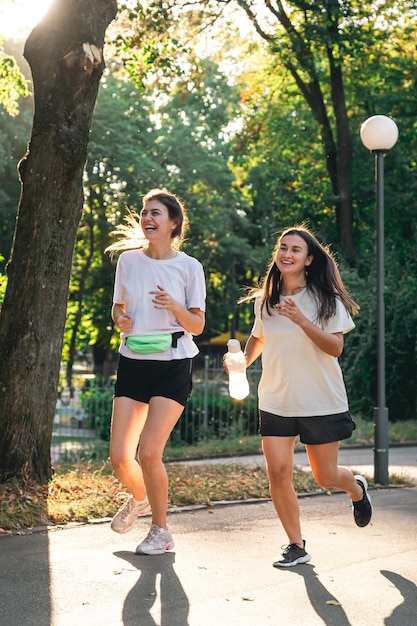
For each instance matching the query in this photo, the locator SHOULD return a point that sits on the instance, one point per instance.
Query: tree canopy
(255, 125)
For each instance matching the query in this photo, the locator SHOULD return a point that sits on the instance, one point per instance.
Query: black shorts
(313, 430)
(142, 380)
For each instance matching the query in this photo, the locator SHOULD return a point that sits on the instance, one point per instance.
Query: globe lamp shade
(379, 132)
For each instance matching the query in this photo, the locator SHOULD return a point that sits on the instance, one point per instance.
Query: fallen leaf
(333, 602)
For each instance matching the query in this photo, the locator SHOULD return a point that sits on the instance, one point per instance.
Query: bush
(209, 414)
(97, 401)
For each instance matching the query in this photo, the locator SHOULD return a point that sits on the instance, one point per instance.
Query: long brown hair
(322, 278)
(130, 233)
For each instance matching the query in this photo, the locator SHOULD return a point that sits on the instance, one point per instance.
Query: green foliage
(138, 143)
(14, 134)
(220, 417)
(122, 164)
(97, 401)
(149, 42)
(12, 83)
(3, 284)
(279, 162)
(359, 359)
(209, 414)
(226, 127)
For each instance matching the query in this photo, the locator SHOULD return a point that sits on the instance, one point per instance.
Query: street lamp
(379, 134)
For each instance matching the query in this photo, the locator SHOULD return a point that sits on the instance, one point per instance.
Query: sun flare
(18, 17)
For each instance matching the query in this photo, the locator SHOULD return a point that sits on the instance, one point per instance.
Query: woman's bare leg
(279, 456)
(127, 423)
(327, 473)
(162, 416)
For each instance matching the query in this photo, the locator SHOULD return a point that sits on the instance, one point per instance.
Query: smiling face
(155, 221)
(292, 256)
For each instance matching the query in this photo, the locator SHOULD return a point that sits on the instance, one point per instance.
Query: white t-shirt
(137, 275)
(298, 379)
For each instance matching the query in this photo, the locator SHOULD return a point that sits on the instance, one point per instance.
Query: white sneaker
(126, 516)
(158, 541)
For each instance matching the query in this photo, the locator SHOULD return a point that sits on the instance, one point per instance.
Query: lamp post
(379, 134)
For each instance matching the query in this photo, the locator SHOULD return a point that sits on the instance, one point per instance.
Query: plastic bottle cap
(233, 345)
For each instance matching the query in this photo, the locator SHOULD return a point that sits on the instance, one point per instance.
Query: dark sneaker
(362, 509)
(293, 555)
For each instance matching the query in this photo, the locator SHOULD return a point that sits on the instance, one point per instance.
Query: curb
(184, 509)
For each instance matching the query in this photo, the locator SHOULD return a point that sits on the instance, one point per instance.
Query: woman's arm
(330, 343)
(253, 349)
(192, 320)
(119, 317)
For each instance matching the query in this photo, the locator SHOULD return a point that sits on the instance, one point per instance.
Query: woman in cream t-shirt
(302, 312)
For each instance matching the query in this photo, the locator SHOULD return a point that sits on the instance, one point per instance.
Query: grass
(214, 448)
(399, 432)
(89, 490)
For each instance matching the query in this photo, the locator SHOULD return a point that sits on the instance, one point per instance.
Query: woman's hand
(253, 349)
(330, 343)
(163, 300)
(289, 309)
(124, 322)
(192, 320)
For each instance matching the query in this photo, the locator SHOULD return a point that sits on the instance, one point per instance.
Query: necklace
(294, 291)
(165, 256)
(297, 290)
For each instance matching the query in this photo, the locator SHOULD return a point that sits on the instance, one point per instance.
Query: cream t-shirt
(298, 379)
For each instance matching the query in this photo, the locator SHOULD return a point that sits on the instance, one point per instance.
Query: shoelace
(154, 533)
(287, 549)
(128, 506)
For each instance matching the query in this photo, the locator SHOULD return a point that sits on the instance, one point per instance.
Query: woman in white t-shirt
(158, 305)
(302, 311)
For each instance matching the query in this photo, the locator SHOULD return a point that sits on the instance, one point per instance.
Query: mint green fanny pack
(149, 344)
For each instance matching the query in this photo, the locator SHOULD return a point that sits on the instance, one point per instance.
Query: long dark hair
(322, 278)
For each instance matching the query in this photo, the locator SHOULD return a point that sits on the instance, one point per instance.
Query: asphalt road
(220, 572)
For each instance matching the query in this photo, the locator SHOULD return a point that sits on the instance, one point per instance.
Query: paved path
(220, 572)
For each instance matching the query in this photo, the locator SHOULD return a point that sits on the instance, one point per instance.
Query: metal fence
(82, 416)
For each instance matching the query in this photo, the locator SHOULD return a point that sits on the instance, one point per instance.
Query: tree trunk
(298, 57)
(344, 210)
(65, 55)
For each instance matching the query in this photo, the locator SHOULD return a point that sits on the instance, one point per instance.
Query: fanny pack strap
(175, 337)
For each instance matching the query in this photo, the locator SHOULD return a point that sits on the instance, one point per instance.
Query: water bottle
(236, 364)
